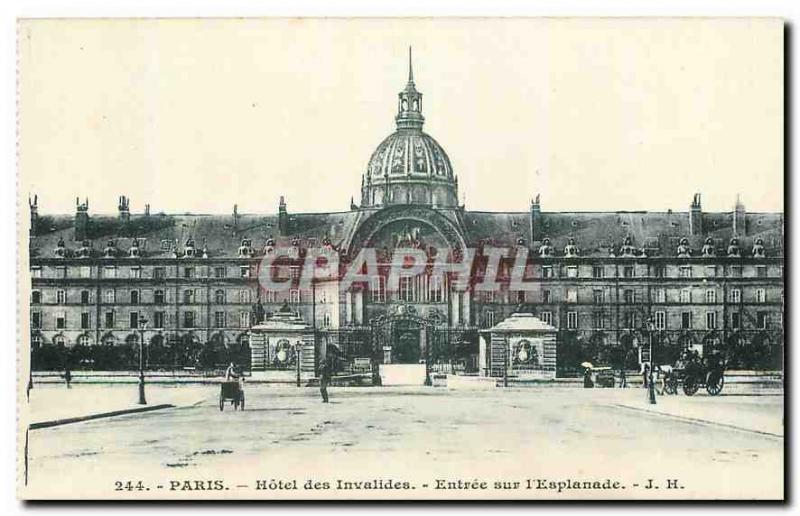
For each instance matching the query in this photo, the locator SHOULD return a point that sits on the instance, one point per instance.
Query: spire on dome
(409, 114)
(410, 67)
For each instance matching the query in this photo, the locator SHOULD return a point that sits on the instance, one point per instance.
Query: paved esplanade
(424, 442)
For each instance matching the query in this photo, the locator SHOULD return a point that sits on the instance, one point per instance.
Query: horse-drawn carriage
(233, 392)
(695, 372)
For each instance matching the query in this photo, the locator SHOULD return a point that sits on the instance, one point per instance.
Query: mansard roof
(595, 233)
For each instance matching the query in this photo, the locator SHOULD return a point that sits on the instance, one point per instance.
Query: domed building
(596, 283)
(409, 166)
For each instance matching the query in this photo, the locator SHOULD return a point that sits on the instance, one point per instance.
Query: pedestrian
(324, 380)
(587, 378)
(645, 374)
(67, 376)
(623, 380)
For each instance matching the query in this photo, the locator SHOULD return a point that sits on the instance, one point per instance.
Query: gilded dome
(409, 166)
(409, 152)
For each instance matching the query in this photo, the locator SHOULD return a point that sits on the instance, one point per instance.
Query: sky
(592, 114)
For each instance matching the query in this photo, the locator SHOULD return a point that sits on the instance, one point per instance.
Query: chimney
(34, 206)
(146, 210)
(81, 219)
(739, 213)
(696, 216)
(235, 217)
(283, 218)
(124, 209)
(536, 220)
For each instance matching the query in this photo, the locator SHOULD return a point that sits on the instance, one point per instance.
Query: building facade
(710, 279)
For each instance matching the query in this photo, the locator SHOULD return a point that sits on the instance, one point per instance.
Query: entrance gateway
(405, 340)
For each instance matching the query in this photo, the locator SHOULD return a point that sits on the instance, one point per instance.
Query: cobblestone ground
(728, 446)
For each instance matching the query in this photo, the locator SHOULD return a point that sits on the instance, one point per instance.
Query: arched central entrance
(403, 346)
(406, 343)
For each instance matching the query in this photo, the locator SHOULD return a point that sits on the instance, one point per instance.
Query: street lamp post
(142, 327)
(297, 361)
(651, 388)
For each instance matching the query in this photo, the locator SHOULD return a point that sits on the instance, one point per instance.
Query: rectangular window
(489, 319)
(85, 297)
(244, 319)
(627, 296)
(736, 295)
(572, 271)
(85, 271)
(109, 320)
(36, 272)
(110, 297)
(219, 319)
(546, 296)
(572, 320)
(572, 295)
(661, 320)
(761, 271)
(294, 296)
(158, 297)
(547, 318)
(61, 321)
(660, 271)
(134, 297)
(661, 295)
(761, 295)
(158, 319)
(61, 272)
(629, 320)
(711, 320)
(711, 296)
(406, 290)
(188, 319)
(598, 271)
(686, 320)
(736, 271)
(736, 320)
(598, 296)
(61, 297)
(159, 273)
(219, 272)
(547, 271)
(85, 321)
(188, 272)
(36, 297)
(188, 296)
(136, 272)
(134, 320)
(294, 272)
(378, 289)
(762, 320)
(628, 271)
(711, 271)
(598, 320)
(36, 320)
(326, 320)
(686, 296)
(109, 271)
(685, 271)
(244, 296)
(244, 271)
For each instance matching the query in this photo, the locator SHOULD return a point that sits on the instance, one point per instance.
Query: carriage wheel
(690, 385)
(714, 383)
(671, 386)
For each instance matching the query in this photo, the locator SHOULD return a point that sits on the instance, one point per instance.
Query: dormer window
(61, 249)
(110, 250)
(133, 252)
(246, 249)
(189, 250)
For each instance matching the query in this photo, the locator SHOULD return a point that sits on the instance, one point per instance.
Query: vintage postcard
(401, 259)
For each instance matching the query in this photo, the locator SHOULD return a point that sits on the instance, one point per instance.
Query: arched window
(84, 340)
(36, 341)
(109, 340)
(158, 297)
(85, 297)
(244, 296)
(132, 339)
(60, 340)
(219, 296)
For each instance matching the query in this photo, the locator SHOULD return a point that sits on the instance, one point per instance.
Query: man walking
(324, 380)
